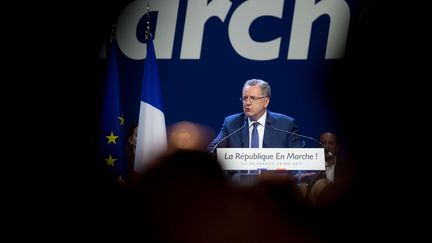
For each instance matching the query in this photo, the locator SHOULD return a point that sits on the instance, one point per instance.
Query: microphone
(303, 136)
(295, 134)
(223, 139)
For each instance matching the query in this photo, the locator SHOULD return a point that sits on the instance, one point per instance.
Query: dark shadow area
(75, 193)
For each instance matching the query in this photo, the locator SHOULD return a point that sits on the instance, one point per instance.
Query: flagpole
(112, 34)
(147, 32)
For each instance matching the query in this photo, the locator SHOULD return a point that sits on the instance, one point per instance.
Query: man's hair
(131, 129)
(265, 87)
(332, 134)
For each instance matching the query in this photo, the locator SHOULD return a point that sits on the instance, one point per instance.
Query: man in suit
(331, 148)
(338, 174)
(271, 125)
(256, 127)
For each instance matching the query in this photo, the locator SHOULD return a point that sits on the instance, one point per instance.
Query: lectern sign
(271, 158)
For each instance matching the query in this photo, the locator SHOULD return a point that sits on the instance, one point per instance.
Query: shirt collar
(262, 119)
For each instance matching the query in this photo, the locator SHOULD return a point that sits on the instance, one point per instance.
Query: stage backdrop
(207, 49)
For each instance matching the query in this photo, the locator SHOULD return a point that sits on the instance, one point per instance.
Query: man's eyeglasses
(253, 99)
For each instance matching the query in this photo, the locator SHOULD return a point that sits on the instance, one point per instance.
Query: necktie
(255, 137)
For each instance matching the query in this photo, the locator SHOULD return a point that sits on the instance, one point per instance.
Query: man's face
(254, 105)
(133, 139)
(328, 140)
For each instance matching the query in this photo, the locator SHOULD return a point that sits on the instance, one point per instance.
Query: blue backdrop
(207, 87)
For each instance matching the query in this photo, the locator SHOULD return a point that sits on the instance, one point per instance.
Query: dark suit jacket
(272, 137)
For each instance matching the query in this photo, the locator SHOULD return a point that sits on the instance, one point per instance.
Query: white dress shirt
(330, 171)
(260, 129)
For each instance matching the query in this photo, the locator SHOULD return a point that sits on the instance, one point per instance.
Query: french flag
(151, 137)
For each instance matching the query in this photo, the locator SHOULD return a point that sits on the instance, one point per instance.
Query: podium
(257, 160)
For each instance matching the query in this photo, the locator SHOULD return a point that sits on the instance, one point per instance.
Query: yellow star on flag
(122, 120)
(111, 138)
(110, 161)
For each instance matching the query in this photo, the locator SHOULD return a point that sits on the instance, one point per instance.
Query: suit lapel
(267, 135)
(268, 131)
(245, 137)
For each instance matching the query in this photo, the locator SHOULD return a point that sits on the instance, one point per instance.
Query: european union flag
(112, 139)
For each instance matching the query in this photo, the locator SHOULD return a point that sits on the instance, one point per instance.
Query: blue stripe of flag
(151, 88)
